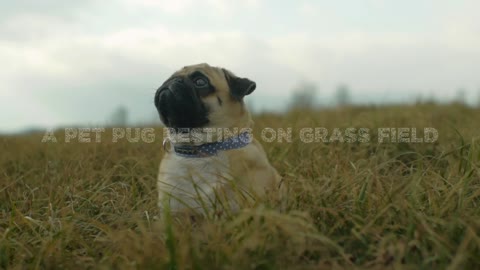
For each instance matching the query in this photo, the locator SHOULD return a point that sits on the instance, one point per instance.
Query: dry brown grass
(365, 205)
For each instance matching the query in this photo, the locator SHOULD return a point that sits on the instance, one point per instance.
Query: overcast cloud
(70, 62)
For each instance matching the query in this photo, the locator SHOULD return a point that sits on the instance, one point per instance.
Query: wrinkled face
(202, 96)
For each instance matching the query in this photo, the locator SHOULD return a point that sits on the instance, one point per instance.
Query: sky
(75, 62)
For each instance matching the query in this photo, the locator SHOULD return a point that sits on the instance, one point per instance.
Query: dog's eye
(200, 82)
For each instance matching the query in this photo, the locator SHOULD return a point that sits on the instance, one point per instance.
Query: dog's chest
(187, 179)
(207, 169)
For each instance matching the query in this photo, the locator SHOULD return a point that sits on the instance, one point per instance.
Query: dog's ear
(239, 87)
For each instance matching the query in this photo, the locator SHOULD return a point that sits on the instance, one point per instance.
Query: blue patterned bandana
(211, 149)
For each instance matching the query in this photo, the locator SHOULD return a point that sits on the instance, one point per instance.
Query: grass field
(350, 205)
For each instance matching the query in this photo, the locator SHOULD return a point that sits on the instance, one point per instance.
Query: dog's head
(201, 96)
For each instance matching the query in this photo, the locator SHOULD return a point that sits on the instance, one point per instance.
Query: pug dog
(211, 163)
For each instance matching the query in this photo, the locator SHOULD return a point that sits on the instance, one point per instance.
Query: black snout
(179, 105)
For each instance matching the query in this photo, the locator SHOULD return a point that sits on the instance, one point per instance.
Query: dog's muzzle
(179, 105)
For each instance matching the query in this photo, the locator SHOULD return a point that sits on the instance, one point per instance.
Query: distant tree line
(305, 94)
